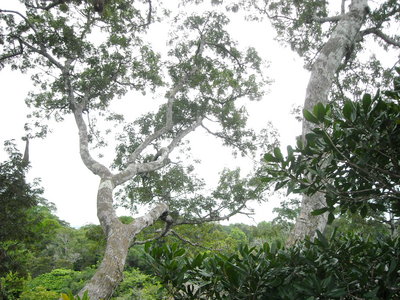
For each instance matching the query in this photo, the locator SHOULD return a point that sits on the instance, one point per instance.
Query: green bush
(39, 292)
(61, 280)
(11, 286)
(346, 267)
(137, 285)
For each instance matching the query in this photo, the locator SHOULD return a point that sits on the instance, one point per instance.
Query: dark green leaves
(350, 156)
(349, 111)
(319, 111)
(310, 117)
(334, 268)
(317, 116)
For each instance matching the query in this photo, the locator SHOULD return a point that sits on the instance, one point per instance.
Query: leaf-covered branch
(351, 156)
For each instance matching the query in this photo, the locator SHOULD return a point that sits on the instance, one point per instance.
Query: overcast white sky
(73, 188)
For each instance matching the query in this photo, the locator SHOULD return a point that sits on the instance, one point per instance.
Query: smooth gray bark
(322, 75)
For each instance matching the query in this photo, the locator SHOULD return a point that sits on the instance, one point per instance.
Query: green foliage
(70, 296)
(16, 197)
(137, 285)
(351, 155)
(39, 292)
(339, 268)
(61, 280)
(26, 219)
(11, 286)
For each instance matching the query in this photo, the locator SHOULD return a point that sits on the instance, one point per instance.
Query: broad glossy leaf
(331, 218)
(280, 184)
(364, 211)
(268, 157)
(319, 111)
(322, 239)
(278, 154)
(348, 110)
(366, 102)
(310, 117)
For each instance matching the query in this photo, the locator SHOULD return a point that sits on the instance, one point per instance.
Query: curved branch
(192, 243)
(387, 39)
(148, 219)
(7, 56)
(169, 113)
(165, 232)
(214, 219)
(93, 165)
(162, 160)
(53, 3)
(328, 19)
(42, 51)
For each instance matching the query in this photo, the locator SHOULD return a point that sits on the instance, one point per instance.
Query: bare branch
(53, 3)
(42, 51)
(161, 161)
(148, 219)
(343, 9)
(93, 165)
(192, 243)
(381, 35)
(328, 19)
(165, 232)
(19, 52)
(184, 133)
(215, 218)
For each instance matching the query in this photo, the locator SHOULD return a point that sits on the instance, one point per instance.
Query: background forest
(336, 233)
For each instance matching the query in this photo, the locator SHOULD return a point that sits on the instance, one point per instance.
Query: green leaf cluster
(351, 155)
(339, 268)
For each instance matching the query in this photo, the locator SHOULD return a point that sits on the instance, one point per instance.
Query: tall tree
(81, 60)
(17, 199)
(332, 48)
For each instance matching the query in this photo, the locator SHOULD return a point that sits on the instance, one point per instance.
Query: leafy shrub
(61, 280)
(137, 285)
(11, 286)
(39, 292)
(70, 296)
(340, 268)
(351, 155)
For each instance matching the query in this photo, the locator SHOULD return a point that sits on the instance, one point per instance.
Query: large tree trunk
(119, 239)
(109, 274)
(322, 75)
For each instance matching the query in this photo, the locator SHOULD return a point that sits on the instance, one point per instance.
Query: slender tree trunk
(322, 75)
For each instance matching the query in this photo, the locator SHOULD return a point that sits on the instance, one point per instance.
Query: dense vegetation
(349, 155)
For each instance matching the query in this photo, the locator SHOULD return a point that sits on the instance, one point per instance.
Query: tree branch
(328, 19)
(53, 3)
(192, 243)
(42, 51)
(169, 112)
(94, 166)
(214, 219)
(381, 35)
(6, 56)
(148, 219)
(165, 232)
